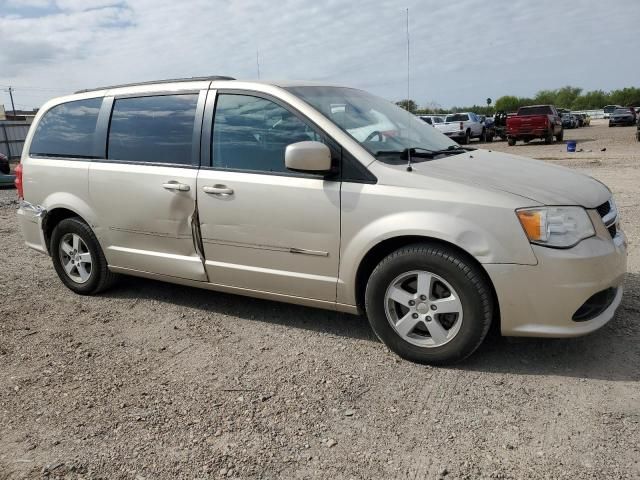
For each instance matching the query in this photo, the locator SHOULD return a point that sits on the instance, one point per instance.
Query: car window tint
(252, 133)
(156, 129)
(459, 117)
(68, 130)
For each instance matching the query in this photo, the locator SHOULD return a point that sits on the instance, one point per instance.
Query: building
(23, 115)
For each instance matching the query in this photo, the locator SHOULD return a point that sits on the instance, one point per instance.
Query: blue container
(571, 146)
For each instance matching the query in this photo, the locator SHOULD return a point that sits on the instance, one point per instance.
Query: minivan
(321, 196)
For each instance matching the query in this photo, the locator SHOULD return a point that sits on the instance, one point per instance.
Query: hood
(533, 179)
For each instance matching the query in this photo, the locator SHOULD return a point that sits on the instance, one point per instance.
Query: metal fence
(12, 136)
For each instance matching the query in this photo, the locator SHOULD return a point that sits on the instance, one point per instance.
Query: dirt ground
(158, 381)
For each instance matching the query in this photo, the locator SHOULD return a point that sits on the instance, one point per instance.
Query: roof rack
(152, 82)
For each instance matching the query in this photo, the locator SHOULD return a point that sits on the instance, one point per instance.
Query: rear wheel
(483, 136)
(548, 139)
(78, 258)
(560, 136)
(429, 304)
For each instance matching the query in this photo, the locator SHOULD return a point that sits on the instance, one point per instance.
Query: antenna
(258, 62)
(408, 96)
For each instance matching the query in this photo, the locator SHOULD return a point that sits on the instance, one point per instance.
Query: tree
(565, 96)
(508, 103)
(546, 97)
(627, 97)
(408, 105)
(489, 101)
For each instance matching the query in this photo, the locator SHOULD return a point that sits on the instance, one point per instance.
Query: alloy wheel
(75, 258)
(423, 308)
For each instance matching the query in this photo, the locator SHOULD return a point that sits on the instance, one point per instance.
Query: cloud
(461, 52)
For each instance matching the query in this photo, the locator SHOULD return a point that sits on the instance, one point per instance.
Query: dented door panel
(145, 225)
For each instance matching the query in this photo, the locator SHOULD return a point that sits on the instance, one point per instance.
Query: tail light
(461, 126)
(18, 181)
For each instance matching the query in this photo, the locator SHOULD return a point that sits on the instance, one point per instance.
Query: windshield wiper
(421, 152)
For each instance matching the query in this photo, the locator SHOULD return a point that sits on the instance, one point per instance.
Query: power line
(39, 89)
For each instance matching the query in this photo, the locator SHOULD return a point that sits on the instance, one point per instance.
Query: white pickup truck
(462, 127)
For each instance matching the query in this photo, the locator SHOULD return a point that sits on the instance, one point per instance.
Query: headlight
(560, 227)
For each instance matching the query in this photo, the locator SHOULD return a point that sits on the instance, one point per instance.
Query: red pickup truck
(536, 121)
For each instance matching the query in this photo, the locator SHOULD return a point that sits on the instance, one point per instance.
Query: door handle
(173, 185)
(221, 190)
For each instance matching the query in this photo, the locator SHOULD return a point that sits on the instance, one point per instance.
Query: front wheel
(429, 304)
(511, 141)
(548, 139)
(560, 136)
(78, 258)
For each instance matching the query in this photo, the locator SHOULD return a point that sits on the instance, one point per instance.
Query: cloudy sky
(461, 52)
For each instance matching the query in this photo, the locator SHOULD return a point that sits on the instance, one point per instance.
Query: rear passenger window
(153, 129)
(252, 133)
(68, 130)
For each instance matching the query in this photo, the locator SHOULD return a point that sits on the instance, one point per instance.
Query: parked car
(568, 120)
(535, 121)
(586, 119)
(6, 178)
(4, 164)
(432, 119)
(623, 116)
(609, 109)
(489, 128)
(638, 131)
(462, 127)
(579, 119)
(261, 189)
(500, 125)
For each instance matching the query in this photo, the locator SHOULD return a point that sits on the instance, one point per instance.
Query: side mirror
(308, 157)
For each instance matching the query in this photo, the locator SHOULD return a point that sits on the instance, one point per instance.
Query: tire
(489, 139)
(511, 141)
(560, 136)
(455, 336)
(97, 277)
(483, 136)
(548, 140)
(467, 138)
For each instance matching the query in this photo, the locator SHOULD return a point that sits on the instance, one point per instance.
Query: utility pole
(258, 62)
(13, 107)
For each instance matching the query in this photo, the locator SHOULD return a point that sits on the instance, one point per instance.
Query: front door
(144, 193)
(263, 227)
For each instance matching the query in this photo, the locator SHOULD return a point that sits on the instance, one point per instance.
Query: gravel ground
(157, 381)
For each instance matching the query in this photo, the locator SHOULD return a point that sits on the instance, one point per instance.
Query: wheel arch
(54, 217)
(379, 251)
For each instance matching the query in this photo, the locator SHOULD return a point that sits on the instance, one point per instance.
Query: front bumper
(622, 121)
(541, 300)
(30, 218)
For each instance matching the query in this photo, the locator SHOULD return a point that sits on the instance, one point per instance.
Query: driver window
(251, 133)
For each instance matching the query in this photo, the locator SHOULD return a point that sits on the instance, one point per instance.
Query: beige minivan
(322, 196)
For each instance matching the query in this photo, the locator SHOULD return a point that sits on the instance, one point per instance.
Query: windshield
(458, 117)
(621, 111)
(377, 124)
